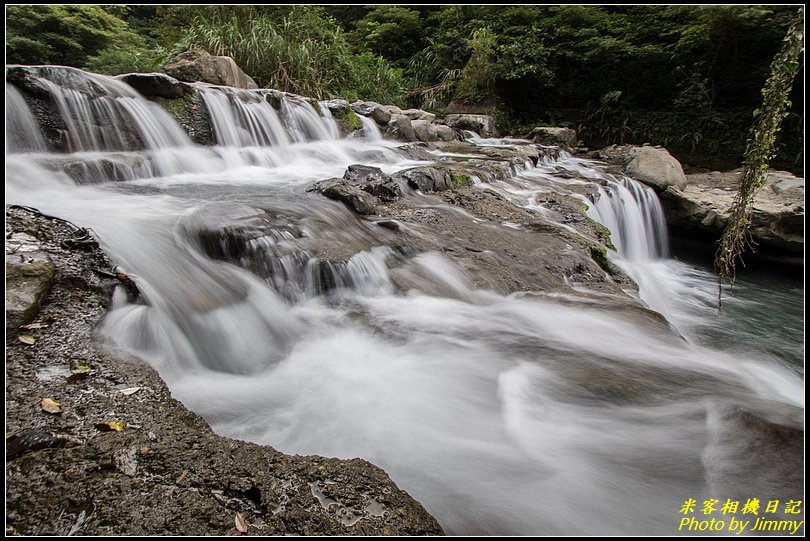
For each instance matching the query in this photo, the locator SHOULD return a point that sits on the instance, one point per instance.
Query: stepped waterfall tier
(502, 328)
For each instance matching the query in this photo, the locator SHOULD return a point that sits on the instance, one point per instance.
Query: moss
(347, 117)
(316, 105)
(460, 179)
(599, 254)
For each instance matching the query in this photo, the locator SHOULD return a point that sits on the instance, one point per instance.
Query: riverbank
(166, 472)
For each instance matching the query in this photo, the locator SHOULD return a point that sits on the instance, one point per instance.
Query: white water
(501, 414)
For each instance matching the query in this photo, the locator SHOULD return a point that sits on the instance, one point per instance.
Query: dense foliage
(686, 76)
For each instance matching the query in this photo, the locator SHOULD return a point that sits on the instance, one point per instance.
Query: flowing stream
(501, 414)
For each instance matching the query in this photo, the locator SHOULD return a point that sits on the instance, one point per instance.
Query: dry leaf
(129, 390)
(35, 326)
(49, 405)
(26, 339)
(239, 520)
(106, 426)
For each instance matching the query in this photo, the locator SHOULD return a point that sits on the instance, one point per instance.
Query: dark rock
(353, 197)
(374, 181)
(198, 65)
(273, 97)
(156, 84)
(382, 114)
(192, 114)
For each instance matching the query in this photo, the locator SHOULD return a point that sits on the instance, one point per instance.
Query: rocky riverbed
(119, 456)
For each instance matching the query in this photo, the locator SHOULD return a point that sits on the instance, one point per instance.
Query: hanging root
(758, 153)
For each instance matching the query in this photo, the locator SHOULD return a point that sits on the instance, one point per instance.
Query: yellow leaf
(49, 405)
(106, 426)
(240, 522)
(26, 339)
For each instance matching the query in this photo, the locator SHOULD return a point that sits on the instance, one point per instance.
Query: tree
(760, 150)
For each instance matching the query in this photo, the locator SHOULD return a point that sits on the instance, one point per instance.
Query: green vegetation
(686, 77)
(760, 150)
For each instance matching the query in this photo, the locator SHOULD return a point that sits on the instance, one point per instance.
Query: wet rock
(353, 197)
(273, 97)
(434, 178)
(655, 167)
(416, 151)
(29, 275)
(374, 181)
(198, 65)
(171, 475)
(191, 113)
(156, 84)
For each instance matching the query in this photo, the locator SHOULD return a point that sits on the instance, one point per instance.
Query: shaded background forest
(685, 77)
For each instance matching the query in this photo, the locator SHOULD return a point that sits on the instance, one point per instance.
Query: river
(502, 414)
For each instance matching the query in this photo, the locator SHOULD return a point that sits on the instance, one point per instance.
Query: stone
(198, 65)
(419, 114)
(365, 108)
(655, 167)
(483, 125)
(29, 276)
(352, 196)
(382, 115)
(400, 127)
(445, 133)
(704, 204)
(156, 84)
(372, 180)
(425, 131)
(549, 135)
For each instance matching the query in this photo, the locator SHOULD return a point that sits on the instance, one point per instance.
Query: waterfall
(371, 132)
(304, 123)
(635, 218)
(22, 132)
(242, 118)
(286, 319)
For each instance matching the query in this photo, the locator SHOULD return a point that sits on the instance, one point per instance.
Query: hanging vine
(759, 151)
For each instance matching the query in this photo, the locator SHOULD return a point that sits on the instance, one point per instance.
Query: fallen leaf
(49, 405)
(239, 520)
(106, 426)
(35, 326)
(26, 339)
(129, 390)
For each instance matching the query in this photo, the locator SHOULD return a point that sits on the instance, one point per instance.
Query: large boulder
(549, 135)
(156, 84)
(655, 167)
(364, 108)
(372, 180)
(481, 124)
(400, 127)
(704, 204)
(419, 114)
(382, 114)
(425, 131)
(198, 65)
(29, 276)
(445, 133)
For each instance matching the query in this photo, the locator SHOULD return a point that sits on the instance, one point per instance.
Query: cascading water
(501, 414)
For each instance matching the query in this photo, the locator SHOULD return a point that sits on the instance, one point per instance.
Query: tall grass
(304, 52)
